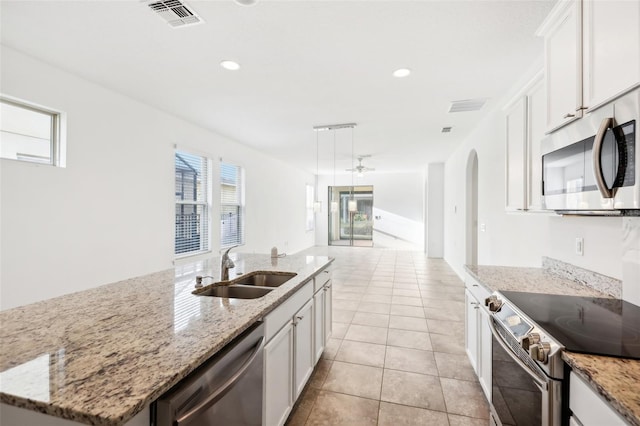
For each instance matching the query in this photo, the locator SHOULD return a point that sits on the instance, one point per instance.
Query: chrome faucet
(225, 264)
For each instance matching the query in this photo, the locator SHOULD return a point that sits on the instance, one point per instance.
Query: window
(231, 205)
(310, 213)
(192, 204)
(30, 133)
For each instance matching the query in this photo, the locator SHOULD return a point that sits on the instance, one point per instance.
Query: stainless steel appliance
(225, 390)
(591, 166)
(531, 330)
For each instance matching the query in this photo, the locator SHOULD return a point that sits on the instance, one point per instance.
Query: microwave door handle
(597, 157)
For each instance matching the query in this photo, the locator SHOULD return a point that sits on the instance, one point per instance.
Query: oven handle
(222, 390)
(543, 385)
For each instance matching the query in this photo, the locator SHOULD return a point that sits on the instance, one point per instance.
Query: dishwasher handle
(222, 390)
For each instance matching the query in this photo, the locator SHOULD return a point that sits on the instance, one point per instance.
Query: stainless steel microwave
(591, 167)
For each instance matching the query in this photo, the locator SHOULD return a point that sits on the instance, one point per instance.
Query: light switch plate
(580, 246)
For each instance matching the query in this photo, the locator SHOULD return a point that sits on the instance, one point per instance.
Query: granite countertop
(616, 379)
(100, 356)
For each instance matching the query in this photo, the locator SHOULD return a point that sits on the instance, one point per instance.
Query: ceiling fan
(360, 169)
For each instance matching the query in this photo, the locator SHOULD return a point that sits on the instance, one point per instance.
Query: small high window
(30, 133)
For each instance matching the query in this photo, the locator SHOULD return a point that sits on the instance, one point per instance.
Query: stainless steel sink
(235, 292)
(264, 279)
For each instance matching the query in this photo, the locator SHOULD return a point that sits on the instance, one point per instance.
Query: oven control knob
(528, 340)
(493, 303)
(540, 352)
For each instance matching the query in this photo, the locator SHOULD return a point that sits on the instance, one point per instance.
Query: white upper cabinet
(611, 49)
(562, 33)
(592, 55)
(525, 125)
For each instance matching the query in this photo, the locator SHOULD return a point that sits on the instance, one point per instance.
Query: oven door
(521, 394)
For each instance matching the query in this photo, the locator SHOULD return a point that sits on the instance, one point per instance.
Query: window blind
(192, 204)
(231, 205)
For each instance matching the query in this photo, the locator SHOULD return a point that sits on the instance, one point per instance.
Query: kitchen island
(102, 355)
(617, 380)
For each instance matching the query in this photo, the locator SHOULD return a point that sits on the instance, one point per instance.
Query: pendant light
(353, 205)
(334, 203)
(317, 204)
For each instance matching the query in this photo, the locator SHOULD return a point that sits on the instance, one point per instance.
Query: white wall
(518, 239)
(109, 214)
(434, 206)
(399, 194)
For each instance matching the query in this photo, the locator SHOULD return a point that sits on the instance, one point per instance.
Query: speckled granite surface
(616, 379)
(101, 355)
(606, 285)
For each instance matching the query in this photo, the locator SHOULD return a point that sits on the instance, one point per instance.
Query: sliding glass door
(351, 228)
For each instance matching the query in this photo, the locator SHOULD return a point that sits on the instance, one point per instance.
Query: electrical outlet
(580, 246)
(483, 227)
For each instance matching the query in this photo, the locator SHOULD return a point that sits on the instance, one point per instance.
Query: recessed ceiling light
(402, 72)
(247, 2)
(230, 65)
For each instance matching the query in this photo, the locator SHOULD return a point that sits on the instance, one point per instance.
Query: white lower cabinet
(478, 339)
(296, 333)
(278, 377)
(304, 356)
(589, 408)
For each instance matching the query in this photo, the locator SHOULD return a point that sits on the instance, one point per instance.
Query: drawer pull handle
(569, 115)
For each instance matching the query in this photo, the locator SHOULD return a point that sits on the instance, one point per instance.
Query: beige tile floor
(396, 355)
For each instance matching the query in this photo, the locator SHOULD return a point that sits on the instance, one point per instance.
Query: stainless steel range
(531, 330)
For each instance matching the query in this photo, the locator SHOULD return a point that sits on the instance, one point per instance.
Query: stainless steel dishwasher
(225, 390)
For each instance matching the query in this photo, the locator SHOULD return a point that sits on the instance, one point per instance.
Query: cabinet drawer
(276, 319)
(477, 290)
(588, 407)
(321, 279)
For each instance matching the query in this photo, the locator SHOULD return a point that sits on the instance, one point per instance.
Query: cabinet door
(328, 310)
(611, 49)
(304, 356)
(471, 328)
(536, 104)
(318, 323)
(278, 377)
(484, 363)
(515, 153)
(563, 59)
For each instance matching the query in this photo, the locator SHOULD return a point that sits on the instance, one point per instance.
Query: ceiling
(303, 64)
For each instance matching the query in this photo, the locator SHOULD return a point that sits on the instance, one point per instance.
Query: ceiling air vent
(446, 129)
(467, 105)
(175, 13)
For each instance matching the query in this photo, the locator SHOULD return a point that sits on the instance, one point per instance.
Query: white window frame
(240, 205)
(206, 204)
(57, 144)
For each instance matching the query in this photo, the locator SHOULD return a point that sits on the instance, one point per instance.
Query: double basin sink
(249, 286)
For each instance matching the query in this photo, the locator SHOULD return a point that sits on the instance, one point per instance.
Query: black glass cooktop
(584, 324)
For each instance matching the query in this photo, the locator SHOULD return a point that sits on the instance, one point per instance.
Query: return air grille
(467, 105)
(175, 13)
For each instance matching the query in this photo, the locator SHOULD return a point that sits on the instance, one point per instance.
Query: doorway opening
(471, 225)
(353, 228)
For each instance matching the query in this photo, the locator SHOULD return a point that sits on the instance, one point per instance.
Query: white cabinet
(589, 408)
(525, 117)
(477, 333)
(592, 55)
(278, 377)
(304, 357)
(611, 48)
(563, 63)
(296, 333)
